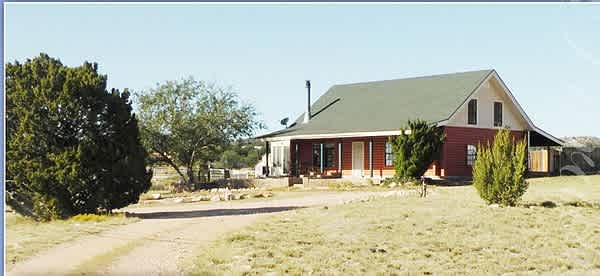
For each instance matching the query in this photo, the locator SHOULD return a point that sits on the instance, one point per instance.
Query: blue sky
(549, 55)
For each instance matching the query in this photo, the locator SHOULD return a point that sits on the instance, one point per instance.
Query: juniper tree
(415, 148)
(72, 146)
(499, 170)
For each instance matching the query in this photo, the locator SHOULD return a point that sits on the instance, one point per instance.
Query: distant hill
(581, 141)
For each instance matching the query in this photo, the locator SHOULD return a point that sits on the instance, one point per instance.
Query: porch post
(560, 154)
(296, 160)
(267, 149)
(340, 157)
(548, 160)
(321, 157)
(371, 157)
(528, 150)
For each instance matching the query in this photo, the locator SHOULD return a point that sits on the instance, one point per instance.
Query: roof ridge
(416, 77)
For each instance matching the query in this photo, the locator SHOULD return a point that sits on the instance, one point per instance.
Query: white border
(337, 135)
(4, 135)
(308, 3)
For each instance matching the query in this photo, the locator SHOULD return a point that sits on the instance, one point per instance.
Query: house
(345, 132)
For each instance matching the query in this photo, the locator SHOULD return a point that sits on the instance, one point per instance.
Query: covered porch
(544, 153)
(353, 157)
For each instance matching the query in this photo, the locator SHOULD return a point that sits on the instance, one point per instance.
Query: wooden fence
(544, 160)
(538, 161)
(165, 172)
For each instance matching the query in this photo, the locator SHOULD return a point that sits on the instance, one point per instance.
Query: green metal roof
(386, 105)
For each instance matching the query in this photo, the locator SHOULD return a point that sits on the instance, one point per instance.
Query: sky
(548, 55)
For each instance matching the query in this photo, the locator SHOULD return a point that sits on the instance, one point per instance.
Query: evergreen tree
(72, 146)
(499, 171)
(415, 149)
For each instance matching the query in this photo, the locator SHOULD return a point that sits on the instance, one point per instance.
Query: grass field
(556, 230)
(25, 237)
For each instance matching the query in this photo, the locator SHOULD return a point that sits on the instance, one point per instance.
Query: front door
(358, 155)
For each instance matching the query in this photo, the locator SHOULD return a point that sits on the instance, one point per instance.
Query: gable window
(471, 154)
(472, 112)
(389, 156)
(497, 114)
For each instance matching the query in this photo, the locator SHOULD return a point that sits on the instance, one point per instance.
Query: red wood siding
(452, 160)
(454, 151)
(379, 168)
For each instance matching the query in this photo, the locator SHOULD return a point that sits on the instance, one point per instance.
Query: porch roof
(540, 138)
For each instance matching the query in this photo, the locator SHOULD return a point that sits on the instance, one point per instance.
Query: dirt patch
(168, 235)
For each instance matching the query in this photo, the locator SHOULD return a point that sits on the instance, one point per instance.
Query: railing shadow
(451, 182)
(211, 213)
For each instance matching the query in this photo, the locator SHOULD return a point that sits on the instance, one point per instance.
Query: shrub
(414, 150)
(499, 171)
(89, 218)
(344, 185)
(72, 147)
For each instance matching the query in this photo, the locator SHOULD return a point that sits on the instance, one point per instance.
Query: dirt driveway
(163, 241)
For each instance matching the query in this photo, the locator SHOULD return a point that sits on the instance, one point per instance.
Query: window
(316, 156)
(328, 152)
(276, 156)
(389, 157)
(472, 120)
(471, 154)
(328, 155)
(286, 159)
(497, 114)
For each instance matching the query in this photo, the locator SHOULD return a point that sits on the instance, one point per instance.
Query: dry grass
(25, 237)
(450, 232)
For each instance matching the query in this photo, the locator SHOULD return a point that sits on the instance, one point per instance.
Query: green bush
(89, 218)
(72, 146)
(499, 171)
(344, 185)
(414, 151)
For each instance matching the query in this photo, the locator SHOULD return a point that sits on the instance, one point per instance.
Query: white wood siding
(488, 93)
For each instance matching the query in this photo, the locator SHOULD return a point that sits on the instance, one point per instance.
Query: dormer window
(497, 114)
(472, 116)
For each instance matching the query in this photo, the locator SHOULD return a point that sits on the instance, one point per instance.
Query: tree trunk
(190, 170)
(190, 173)
(172, 164)
(208, 173)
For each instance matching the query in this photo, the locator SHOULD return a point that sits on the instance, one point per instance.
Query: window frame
(326, 156)
(501, 113)
(316, 158)
(316, 152)
(390, 154)
(476, 112)
(285, 158)
(471, 156)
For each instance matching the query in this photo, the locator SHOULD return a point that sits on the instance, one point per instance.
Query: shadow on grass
(211, 213)
(550, 204)
(545, 204)
(451, 182)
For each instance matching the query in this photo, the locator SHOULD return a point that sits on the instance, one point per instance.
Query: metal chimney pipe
(307, 113)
